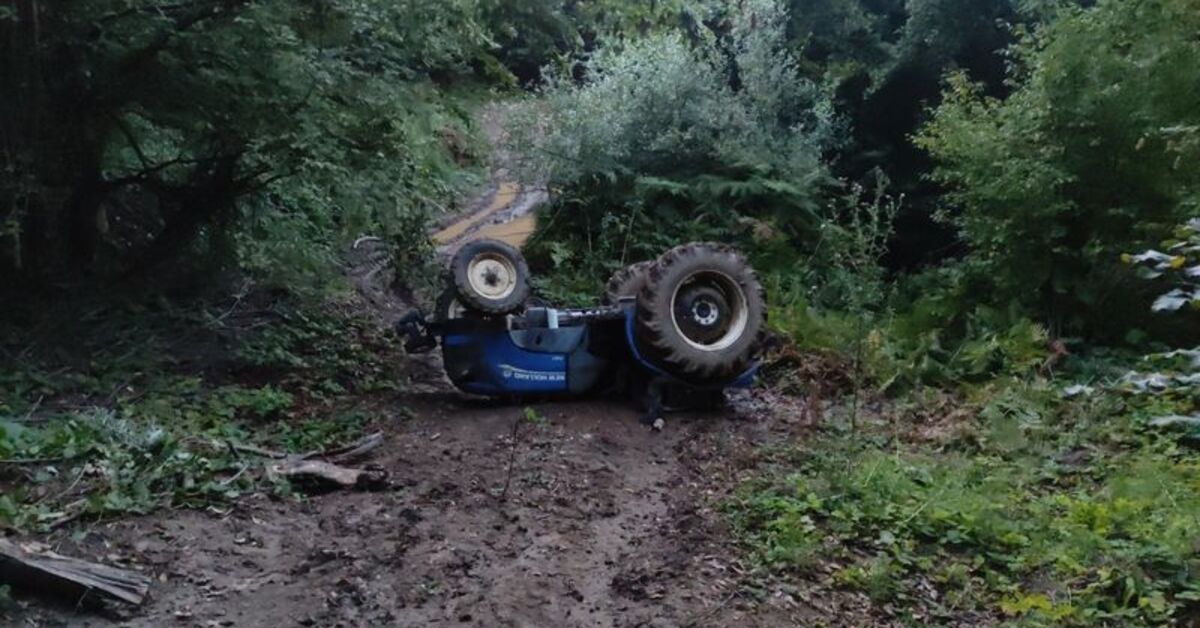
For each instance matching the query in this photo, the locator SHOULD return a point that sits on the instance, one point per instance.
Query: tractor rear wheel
(701, 313)
(627, 282)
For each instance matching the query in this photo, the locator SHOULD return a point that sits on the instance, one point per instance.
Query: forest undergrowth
(975, 223)
(129, 408)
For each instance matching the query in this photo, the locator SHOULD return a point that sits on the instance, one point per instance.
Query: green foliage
(533, 417)
(1042, 510)
(621, 123)
(1083, 161)
(907, 345)
(255, 131)
(149, 422)
(315, 434)
(845, 267)
(669, 137)
(325, 356)
(1182, 261)
(532, 34)
(1015, 500)
(1176, 375)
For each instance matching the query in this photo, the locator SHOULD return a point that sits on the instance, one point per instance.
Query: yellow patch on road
(515, 232)
(505, 195)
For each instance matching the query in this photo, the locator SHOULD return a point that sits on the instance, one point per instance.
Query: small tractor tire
(490, 276)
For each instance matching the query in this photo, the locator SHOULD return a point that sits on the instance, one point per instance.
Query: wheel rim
(708, 310)
(455, 309)
(492, 276)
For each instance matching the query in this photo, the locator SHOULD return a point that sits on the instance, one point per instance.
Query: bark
(80, 218)
(36, 567)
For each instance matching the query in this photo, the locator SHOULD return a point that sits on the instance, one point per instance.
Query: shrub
(1048, 511)
(673, 137)
(1083, 161)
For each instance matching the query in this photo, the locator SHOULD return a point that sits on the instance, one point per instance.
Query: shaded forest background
(1025, 145)
(978, 224)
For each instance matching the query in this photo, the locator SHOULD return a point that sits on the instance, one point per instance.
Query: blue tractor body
(486, 359)
(550, 352)
(675, 332)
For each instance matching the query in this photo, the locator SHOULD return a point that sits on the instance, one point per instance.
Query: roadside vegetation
(128, 416)
(1000, 433)
(976, 223)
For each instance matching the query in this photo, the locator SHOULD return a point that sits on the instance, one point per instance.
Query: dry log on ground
(34, 567)
(324, 475)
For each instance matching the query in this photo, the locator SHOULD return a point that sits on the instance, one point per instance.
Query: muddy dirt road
(604, 523)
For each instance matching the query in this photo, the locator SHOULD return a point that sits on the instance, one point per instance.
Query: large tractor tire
(627, 282)
(490, 276)
(701, 314)
(449, 307)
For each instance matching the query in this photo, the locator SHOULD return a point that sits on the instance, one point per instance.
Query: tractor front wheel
(490, 276)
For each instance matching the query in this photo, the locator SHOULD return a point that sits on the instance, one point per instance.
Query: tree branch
(131, 66)
(128, 133)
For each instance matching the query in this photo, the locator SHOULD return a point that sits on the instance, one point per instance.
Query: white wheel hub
(492, 276)
(706, 313)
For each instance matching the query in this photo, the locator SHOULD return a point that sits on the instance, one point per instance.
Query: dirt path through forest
(553, 514)
(604, 523)
(505, 209)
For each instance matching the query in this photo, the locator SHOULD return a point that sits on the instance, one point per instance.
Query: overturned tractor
(675, 332)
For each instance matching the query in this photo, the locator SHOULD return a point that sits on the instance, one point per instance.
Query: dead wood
(325, 475)
(34, 567)
(322, 470)
(347, 453)
(352, 452)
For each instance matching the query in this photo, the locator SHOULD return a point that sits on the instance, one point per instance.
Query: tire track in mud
(505, 212)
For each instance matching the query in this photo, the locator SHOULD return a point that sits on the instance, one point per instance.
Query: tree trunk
(205, 201)
(80, 219)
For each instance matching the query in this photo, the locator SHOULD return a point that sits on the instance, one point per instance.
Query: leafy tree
(672, 134)
(135, 132)
(532, 34)
(884, 60)
(1084, 160)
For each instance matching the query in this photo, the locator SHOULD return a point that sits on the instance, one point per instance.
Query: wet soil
(586, 518)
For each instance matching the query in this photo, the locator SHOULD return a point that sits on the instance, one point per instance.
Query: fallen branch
(323, 475)
(320, 469)
(34, 566)
(349, 453)
(346, 453)
(71, 512)
(257, 451)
